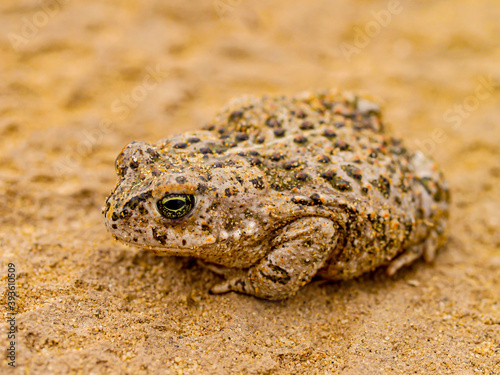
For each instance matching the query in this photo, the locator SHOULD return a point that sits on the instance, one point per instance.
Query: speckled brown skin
(285, 189)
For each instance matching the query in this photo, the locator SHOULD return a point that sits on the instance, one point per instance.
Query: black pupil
(175, 204)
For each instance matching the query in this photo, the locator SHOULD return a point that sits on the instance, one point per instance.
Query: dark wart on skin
(324, 159)
(291, 164)
(181, 145)
(258, 183)
(276, 156)
(205, 150)
(280, 132)
(353, 172)
(299, 138)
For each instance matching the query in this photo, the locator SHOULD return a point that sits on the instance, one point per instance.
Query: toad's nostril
(134, 164)
(121, 163)
(120, 169)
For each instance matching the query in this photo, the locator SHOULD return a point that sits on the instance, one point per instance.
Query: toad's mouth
(162, 250)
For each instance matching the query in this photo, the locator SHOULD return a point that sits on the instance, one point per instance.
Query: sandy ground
(81, 79)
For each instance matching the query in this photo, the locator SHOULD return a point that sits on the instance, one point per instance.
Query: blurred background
(81, 79)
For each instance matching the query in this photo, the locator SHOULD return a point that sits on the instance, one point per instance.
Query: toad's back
(330, 155)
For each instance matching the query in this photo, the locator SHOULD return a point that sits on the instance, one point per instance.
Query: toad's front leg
(298, 253)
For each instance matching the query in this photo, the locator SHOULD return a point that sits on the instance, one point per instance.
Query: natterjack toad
(276, 190)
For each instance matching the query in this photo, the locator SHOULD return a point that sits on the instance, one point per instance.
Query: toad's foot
(427, 249)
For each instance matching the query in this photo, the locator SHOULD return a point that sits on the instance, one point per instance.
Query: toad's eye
(175, 206)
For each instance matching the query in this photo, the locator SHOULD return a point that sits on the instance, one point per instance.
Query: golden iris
(175, 206)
